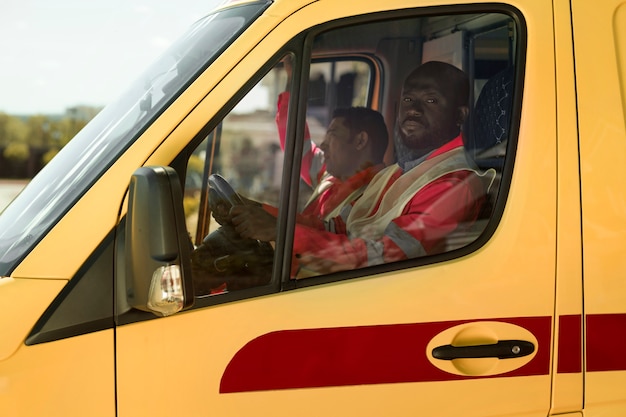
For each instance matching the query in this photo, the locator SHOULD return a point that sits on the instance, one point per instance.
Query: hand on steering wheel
(222, 197)
(224, 255)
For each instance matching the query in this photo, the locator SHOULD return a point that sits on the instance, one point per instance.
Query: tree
(27, 144)
(12, 129)
(16, 151)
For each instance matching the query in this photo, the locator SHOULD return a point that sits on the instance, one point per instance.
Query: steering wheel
(224, 257)
(222, 196)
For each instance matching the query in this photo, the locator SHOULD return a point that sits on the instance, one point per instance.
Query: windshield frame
(63, 181)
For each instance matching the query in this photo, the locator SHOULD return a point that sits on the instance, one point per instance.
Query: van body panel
(71, 377)
(602, 155)
(567, 394)
(24, 313)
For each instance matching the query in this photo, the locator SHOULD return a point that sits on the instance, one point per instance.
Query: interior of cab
(360, 63)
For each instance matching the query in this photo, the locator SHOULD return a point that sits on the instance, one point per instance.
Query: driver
(353, 147)
(338, 184)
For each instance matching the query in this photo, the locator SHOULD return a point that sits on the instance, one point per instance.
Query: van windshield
(95, 148)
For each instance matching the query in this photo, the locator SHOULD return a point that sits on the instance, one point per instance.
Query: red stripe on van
(606, 342)
(570, 344)
(326, 357)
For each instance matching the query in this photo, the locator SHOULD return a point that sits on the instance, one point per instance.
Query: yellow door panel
(568, 377)
(599, 33)
(71, 377)
(40, 295)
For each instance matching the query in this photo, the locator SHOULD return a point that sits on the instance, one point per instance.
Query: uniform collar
(448, 146)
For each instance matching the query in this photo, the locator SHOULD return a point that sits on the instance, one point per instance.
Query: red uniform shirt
(333, 196)
(432, 213)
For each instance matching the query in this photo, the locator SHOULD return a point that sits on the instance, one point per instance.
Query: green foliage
(16, 151)
(39, 131)
(12, 129)
(30, 142)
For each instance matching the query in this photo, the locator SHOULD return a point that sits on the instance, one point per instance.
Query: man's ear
(361, 140)
(463, 112)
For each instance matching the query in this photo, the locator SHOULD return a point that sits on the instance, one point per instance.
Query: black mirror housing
(157, 247)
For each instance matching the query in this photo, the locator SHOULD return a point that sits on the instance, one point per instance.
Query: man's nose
(415, 107)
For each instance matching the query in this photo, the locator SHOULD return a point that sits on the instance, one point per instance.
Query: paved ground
(8, 190)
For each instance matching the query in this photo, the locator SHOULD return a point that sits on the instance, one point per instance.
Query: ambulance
(522, 314)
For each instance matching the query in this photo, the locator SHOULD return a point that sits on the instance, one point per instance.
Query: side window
(446, 98)
(336, 83)
(240, 163)
(331, 83)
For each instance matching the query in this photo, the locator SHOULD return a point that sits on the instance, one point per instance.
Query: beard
(409, 148)
(406, 153)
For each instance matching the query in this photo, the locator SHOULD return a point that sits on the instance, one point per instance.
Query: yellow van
(523, 313)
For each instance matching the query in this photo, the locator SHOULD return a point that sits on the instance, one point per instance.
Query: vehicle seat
(486, 145)
(490, 126)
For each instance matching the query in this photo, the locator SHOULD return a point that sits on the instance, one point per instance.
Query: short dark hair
(363, 119)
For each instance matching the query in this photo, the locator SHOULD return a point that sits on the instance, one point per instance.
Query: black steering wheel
(222, 196)
(224, 257)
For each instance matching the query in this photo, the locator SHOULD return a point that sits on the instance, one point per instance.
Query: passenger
(410, 207)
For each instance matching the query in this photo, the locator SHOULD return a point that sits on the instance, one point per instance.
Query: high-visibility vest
(364, 223)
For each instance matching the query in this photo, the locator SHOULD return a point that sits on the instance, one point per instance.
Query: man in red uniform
(353, 151)
(339, 168)
(410, 207)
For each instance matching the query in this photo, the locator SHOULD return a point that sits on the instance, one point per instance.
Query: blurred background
(63, 61)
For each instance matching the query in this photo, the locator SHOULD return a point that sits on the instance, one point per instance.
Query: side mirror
(157, 248)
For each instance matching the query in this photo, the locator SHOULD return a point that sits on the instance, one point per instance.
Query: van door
(464, 330)
(599, 40)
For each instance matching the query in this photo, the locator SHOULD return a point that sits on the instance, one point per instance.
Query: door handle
(504, 349)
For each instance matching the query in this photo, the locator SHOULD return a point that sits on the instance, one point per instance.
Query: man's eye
(407, 99)
(431, 101)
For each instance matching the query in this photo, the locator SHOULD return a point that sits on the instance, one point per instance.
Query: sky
(63, 53)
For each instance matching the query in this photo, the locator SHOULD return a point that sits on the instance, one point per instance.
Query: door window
(447, 104)
(241, 161)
